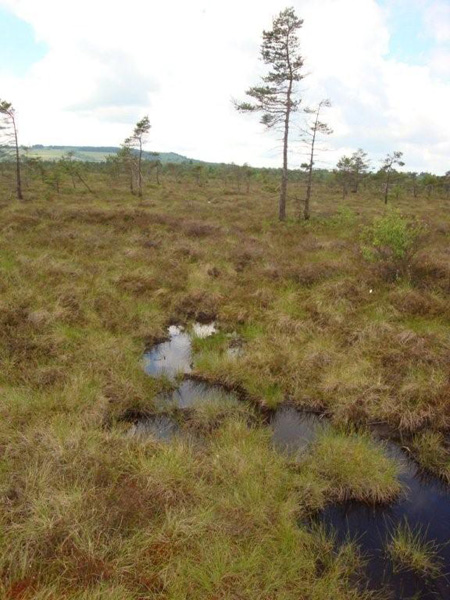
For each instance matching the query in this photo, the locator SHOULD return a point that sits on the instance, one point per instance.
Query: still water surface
(425, 503)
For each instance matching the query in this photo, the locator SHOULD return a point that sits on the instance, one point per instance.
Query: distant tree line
(277, 100)
(352, 175)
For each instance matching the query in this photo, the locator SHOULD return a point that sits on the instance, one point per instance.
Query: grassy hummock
(352, 467)
(88, 282)
(432, 453)
(409, 549)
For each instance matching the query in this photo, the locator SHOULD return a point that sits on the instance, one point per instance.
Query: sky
(83, 73)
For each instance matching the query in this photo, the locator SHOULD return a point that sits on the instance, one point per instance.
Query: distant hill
(99, 153)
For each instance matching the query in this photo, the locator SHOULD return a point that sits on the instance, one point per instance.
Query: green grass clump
(218, 342)
(409, 550)
(205, 416)
(247, 543)
(89, 281)
(104, 513)
(431, 452)
(353, 466)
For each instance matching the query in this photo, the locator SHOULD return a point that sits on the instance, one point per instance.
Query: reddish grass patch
(24, 589)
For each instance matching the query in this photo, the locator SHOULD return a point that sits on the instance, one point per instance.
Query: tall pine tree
(9, 143)
(276, 99)
(314, 128)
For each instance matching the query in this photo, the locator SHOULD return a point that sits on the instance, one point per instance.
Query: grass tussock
(432, 452)
(352, 467)
(104, 512)
(205, 417)
(409, 549)
(88, 512)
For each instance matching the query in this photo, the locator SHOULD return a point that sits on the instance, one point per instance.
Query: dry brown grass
(88, 513)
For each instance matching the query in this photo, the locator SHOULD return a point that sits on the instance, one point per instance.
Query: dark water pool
(425, 504)
(191, 392)
(292, 430)
(174, 356)
(170, 357)
(162, 427)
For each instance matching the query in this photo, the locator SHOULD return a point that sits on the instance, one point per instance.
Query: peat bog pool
(425, 503)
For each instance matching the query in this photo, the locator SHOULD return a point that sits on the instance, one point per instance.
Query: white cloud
(440, 62)
(181, 62)
(437, 20)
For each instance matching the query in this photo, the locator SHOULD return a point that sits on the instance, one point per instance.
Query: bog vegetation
(344, 311)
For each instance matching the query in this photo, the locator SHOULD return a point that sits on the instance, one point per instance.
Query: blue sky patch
(18, 46)
(409, 42)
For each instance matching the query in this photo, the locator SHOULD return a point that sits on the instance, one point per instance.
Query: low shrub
(391, 241)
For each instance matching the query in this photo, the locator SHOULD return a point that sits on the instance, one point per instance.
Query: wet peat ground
(425, 503)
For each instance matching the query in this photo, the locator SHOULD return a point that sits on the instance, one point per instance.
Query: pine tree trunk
(306, 212)
(386, 189)
(284, 175)
(131, 175)
(140, 170)
(284, 172)
(18, 175)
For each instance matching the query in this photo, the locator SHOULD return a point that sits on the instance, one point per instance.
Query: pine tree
(313, 129)
(9, 143)
(276, 99)
(136, 141)
(350, 170)
(389, 169)
(344, 173)
(360, 167)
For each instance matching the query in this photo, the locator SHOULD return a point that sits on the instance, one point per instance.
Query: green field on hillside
(97, 154)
